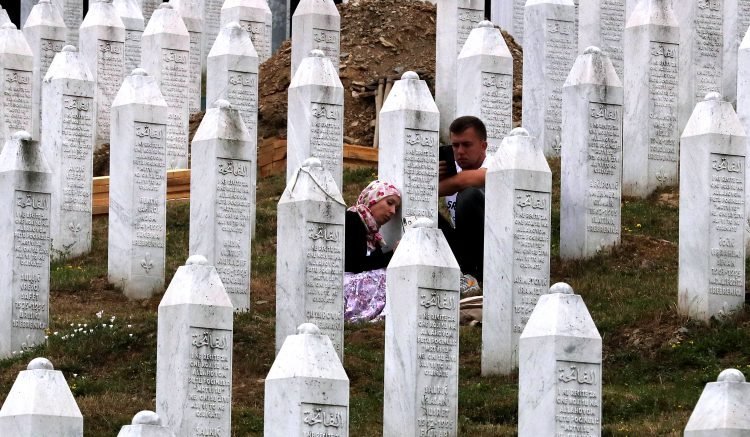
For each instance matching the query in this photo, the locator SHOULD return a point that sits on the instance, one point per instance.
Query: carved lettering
(174, 84)
(420, 173)
(209, 396)
(328, 41)
(664, 144)
(242, 92)
(132, 51)
(604, 173)
(196, 72)
(496, 107)
(560, 54)
(110, 59)
(322, 420)
(327, 136)
(708, 47)
(578, 404)
(466, 20)
(260, 35)
(17, 100)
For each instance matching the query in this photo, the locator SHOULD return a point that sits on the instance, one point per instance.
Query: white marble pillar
(421, 336)
(485, 82)
(211, 14)
(166, 56)
(16, 83)
(560, 369)
(455, 20)
(194, 353)
(102, 37)
(148, 7)
(508, 14)
(316, 24)
(222, 194)
(591, 174)
(409, 123)
(721, 410)
(306, 390)
(146, 424)
(73, 16)
(132, 18)
(712, 211)
(651, 141)
(190, 11)
(315, 121)
(25, 187)
(601, 24)
(743, 111)
(517, 232)
(255, 18)
(138, 188)
(310, 255)
(550, 38)
(40, 404)
(68, 145)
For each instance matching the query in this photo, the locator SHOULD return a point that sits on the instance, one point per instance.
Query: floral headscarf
(372, 194)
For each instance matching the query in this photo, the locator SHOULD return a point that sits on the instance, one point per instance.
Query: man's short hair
(462, 123)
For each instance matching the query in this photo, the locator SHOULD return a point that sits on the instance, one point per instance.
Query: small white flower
(56, 332)
(75, 375)
(130, 335)
(72, 335)
(100, 314)
(130, 326)
(85, 325)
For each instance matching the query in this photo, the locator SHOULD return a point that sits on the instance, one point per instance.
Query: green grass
(655, 362)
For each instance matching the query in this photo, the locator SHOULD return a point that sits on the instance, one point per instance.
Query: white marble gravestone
(222, 198)
(591, 174)
(190, 11)
(16, 82)
(255, 18)
(560, 368)
(409, 123)
(315, 121)
(211, 25)
(73, 16)
(146, 424)
(310, 255)
(166, 56)
(455, 20)
(712, 211)
(421, 336)
(517, 232)
(194, 353)
(307, 390)
(138, 188)
(232, 74)
(651, 141)
(316, 24)
(743, 109)
(68, 145)
(102, 37)
(148, 7)
(485, 87)
(550, 38)
(721, 410)
(41, 404)
(25, 188)
(132, 18)
(706, 46)
(45, 33)
(601, 24)
(508, 14)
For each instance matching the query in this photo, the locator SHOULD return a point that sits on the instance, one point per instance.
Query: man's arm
(465, 179)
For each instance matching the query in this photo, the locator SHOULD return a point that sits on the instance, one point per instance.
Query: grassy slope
(656, 363)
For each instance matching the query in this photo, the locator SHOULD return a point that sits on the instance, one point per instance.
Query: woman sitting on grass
(364, 259)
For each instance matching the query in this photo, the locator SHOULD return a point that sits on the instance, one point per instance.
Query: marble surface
(4, 19)
(132, 18)
(222, 198)
(591, 173)
(408, 132)
(485, 87)
(743, 112)
(315, 120)
(306, 390)
(73, 16)
(721, 410)
(190, 12)
(316, 24)
(67, 143)
(601, 23)
(146, 424)
(194, 353)
(16, 63)
(421, 336)
(455, 20)
(255, 18)
(41, 404)
(651, 140)
(508, 14)
(560, 368)
(25, 186)
(45, 32)
(102, 44)
(712, 211)
(310, 255)
(516, 246)
(550, 38)
(166, 57)
(138, 188)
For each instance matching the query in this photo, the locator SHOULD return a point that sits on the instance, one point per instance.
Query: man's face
(468, 150)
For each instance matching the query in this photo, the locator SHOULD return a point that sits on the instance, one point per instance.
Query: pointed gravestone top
(146, 424)
(102, 13)
(309, 354)
(41, 391)
(68, 64)
(713, 116)
(519, 151)
(22, 154)
(485, 40)
(410, 93)
(129, 10)
(12, 41)
(420, 235)
(4, 19)
(139, 88)
(221, 122)
(654, 12)
(196, 283)
(311, 182)
(316, 69)
(593, 67)
(45, 13)
(233, 40)
(166, 20)
(561, 313)
(721, 410)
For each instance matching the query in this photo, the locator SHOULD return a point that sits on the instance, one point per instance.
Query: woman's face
(384, 209)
